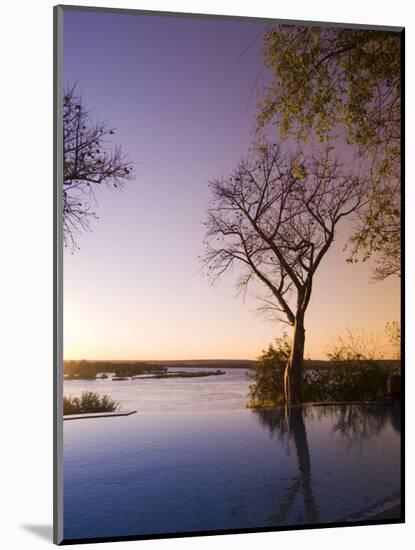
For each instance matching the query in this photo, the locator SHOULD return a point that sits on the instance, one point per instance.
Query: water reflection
(158, 472)
(359, 423)
(355, 424)
(290, 424)
(395, 418)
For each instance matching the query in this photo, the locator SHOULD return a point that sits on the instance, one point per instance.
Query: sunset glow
(134, 289)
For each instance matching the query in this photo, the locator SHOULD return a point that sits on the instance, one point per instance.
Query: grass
(88, 402)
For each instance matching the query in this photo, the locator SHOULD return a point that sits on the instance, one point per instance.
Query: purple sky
(178, 98)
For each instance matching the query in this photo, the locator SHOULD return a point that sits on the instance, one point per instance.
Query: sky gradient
(179, 93)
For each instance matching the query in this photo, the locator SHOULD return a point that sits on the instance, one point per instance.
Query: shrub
(351, 374)
(267, 389)
(88, 402)
(393, 332)
(346, 381)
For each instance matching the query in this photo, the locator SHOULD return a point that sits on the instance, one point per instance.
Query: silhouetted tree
(276, 217)
(89, 161)
(330, 80)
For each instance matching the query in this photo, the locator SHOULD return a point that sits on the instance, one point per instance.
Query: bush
(393, 332)
(351, 375)
(268, 375)
(88, 402)
(346, 381)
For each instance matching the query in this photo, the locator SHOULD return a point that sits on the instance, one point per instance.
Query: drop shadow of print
(43, 531)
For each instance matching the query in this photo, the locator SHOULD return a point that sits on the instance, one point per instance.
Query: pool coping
(329, 403)
(388, 508)
(98, 415)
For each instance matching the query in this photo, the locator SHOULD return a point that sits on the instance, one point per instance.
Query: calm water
(194, 459)
(224, 392)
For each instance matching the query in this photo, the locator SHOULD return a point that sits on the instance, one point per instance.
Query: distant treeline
(89, 369)
(209, 364)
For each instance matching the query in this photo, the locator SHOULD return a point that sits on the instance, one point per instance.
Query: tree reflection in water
(360, 422)
(353, 423)
(289, 424)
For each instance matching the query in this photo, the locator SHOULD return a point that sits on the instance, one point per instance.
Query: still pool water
(172, 471)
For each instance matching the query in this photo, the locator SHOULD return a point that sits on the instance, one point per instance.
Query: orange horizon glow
(238, 334)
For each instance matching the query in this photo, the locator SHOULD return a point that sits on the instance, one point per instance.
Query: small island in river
(127, 370)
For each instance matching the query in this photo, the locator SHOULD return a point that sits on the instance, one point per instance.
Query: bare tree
(89, 161)
(276, 218)
(355, 345)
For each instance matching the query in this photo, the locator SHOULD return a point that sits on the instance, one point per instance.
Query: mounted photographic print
(228, 202)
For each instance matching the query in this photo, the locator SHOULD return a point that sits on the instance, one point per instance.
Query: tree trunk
(294, 369)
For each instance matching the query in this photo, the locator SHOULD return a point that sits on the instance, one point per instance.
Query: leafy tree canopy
(330, 77)
(328, 82)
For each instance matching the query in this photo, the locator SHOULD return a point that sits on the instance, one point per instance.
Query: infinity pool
(183, 471)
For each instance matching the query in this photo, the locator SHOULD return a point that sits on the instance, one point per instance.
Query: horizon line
(212, 360)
